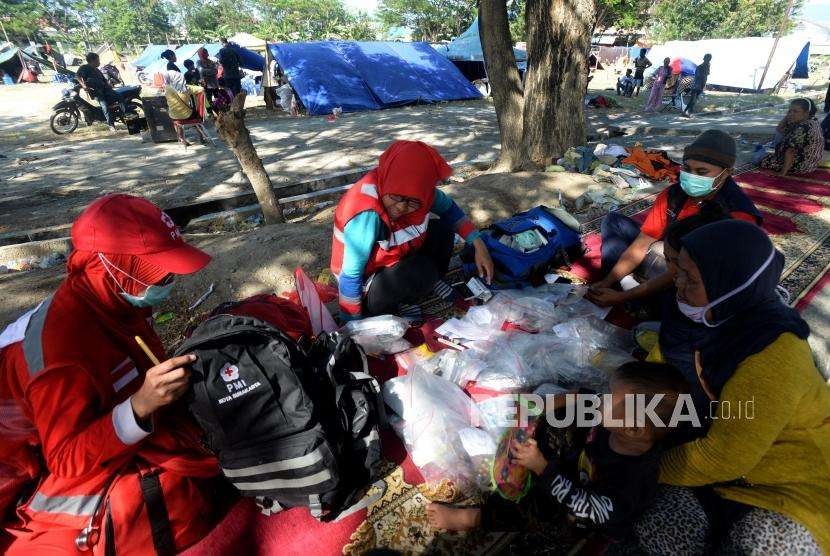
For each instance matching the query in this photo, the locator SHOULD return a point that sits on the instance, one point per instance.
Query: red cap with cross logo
(128, 225)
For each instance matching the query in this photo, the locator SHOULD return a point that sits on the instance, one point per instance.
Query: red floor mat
(788, 184)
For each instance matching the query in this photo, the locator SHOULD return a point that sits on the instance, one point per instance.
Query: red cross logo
(229, 372)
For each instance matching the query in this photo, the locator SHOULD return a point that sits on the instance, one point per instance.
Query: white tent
(737, 63)
(247, 40)
(818, 35)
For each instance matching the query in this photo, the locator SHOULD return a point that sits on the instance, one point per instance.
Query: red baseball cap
(128, 225)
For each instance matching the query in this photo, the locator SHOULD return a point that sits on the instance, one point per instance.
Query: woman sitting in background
(184, 102)
(801, 144)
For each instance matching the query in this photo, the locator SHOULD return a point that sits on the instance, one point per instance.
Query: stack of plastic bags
(437, 423)
(547, 339)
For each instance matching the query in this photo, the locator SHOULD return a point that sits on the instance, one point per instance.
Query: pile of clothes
(602, 101)
(623, 168)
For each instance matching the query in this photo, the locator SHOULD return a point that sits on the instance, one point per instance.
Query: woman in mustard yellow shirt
(182, 105)
(757, 479)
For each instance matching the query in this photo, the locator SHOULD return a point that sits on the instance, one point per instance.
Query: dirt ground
(46, 179)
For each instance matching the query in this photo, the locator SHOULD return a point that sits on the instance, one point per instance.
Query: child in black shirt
(192, 75)
(607, 485)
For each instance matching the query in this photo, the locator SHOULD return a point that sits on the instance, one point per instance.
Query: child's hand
(527, 455)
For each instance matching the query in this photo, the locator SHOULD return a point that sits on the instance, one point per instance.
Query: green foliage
(717, 19)
(199, 20)
(432, 20)
(20, 18)
(622, 14)
(516, 17)
(132, 21)
(304, 20)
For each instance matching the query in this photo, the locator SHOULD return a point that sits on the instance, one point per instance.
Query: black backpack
(290, 426)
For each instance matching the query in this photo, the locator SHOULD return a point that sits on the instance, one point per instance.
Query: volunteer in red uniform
(630, 249)
(103, 457)
(386, 251)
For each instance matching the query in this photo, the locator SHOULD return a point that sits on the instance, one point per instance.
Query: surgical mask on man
(697, 186)
(152, 296)
(698, 314)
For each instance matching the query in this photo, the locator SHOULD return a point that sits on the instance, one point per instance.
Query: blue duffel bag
(525, 247)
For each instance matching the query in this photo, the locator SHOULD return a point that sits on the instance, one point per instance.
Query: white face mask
(152, 296)
(698, 314)
(694, 314)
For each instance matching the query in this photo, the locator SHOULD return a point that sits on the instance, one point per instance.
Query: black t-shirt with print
(606, 490)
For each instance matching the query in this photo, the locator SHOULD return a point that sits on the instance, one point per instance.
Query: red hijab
(412, 169)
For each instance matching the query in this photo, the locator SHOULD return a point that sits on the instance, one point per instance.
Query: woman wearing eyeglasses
(387, 253)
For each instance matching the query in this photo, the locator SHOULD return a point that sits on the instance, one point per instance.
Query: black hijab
(729, 256)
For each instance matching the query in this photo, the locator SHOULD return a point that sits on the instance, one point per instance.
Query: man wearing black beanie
(632, 255)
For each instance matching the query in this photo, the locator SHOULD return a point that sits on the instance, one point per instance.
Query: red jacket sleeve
(744, 216)
(655, 223)
(76, 437)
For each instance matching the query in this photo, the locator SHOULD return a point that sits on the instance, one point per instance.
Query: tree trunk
(231, 128)
(505, 81)
(558, 46)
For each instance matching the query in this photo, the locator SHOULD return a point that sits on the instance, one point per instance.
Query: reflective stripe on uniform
(16, 331)
(81, 505)
(404, 235)
(283, 465)
(125, 380)
(369, 189)
(32, 343)
(301, 482)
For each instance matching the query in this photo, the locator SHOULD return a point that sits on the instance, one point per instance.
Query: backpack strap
(315, 506)
(157, 514)
(380, 489)
(676, 201)
(268, 506)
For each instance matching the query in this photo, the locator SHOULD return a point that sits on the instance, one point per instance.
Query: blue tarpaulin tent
(369, 75)
(802, 68)
(467, 47)
(150, 54)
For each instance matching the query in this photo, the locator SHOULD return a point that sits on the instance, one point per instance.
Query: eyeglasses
(411, 203)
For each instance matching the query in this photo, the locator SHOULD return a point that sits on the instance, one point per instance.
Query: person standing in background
(269, 79)
(701, 75)
(641, 64)
(209, 73)
(658, 85)
(230, 61)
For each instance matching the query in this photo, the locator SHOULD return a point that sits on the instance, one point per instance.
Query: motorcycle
(112, 75)
(68, 112)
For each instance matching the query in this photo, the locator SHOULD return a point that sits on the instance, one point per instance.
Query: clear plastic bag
(438, 429)
(382, 334)
(595, 331)
(519, 362)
